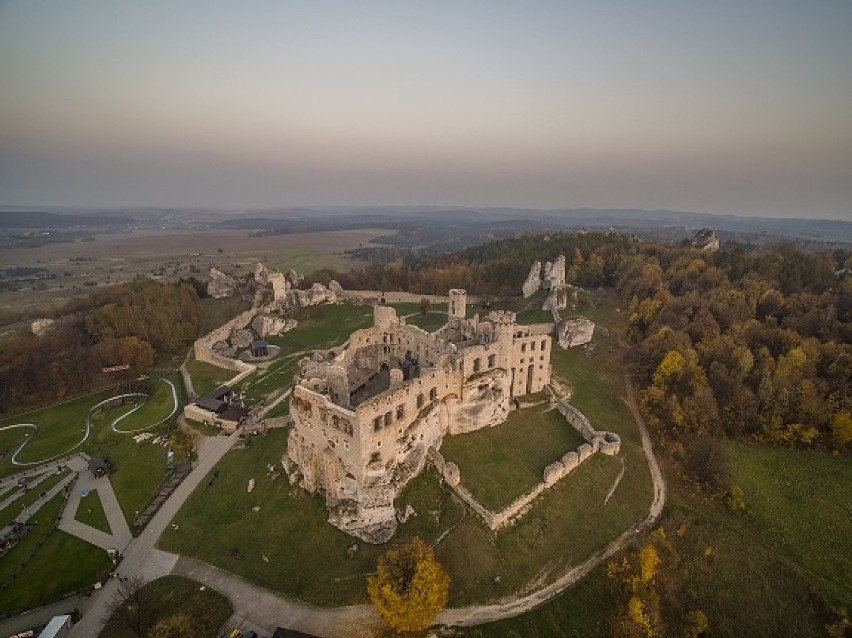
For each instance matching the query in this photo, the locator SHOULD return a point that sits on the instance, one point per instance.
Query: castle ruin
(365, 417)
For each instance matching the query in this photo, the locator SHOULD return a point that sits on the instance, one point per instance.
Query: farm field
(172, 254)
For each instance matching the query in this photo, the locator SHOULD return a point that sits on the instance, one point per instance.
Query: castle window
(532, 346)
(477, 364)
(388, 418)
(544, 344)
(420, 400)
(379, 444)
(492, 360)
(433, 394)
(377, 424)
(400, 412)
(523, 347)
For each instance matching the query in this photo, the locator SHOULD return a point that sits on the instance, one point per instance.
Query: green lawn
(60, 428)
(43, 579)
(169, 595)
(802, 500)
(219, 311)
(430, 322)
(323, 327)
(744, 588)
(264, 382)
(91, 512)
(155, 408)
(138, 467)
(8, 514)
(500, 464)
(207, 377)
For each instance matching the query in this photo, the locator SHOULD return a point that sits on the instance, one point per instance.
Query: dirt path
(477, 615)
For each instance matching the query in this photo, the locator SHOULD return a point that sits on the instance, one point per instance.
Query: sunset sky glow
(725, 107)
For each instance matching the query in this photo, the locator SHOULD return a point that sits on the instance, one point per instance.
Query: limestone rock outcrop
(294, 278)
(533, 281)
(575, 332)
(336, 288)
(706, 239)
(41, 327)
(554, 274)
(272, 326)
(242, 338)
(220, 284)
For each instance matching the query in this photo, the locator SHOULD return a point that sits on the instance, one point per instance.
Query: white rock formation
(575, 332)
(242, 338)
(220, 284)
(533, 281)
(294, 278)
(261, 274)
(336, 288)
(706, 239)
(272, 326)
(41, 327)
(554, 276)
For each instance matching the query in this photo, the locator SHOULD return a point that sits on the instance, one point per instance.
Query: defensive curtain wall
(203, 347)
(596, 441)
(364, 418)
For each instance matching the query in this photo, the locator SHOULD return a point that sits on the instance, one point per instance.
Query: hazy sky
(740, 106)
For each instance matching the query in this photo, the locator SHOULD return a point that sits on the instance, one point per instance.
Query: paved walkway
(141, 559)
(121, 535)
(270, 610)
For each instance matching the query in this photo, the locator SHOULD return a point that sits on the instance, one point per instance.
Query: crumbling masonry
(366, 417)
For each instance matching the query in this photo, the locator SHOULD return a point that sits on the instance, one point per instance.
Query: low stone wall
(203, 347)
(596, 441)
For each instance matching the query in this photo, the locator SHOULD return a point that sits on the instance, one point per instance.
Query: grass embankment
(91, 512)
(500, 464)
(206, 377)
(802, 501)
(138, 468)
(171, 595)
(11, 511)
(60, 427)
(61, 563)
(430, 322)
(219, 311)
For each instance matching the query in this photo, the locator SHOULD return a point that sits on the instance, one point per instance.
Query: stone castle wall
(605, 442)
(203, 347)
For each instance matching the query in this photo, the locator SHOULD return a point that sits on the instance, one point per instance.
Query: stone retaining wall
(203, 347)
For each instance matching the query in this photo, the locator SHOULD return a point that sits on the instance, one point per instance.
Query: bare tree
(132, 606)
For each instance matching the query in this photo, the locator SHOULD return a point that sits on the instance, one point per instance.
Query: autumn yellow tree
(410, 586)
(179, 625)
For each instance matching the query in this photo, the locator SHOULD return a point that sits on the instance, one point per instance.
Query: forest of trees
(127, 324)
(752, 344)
